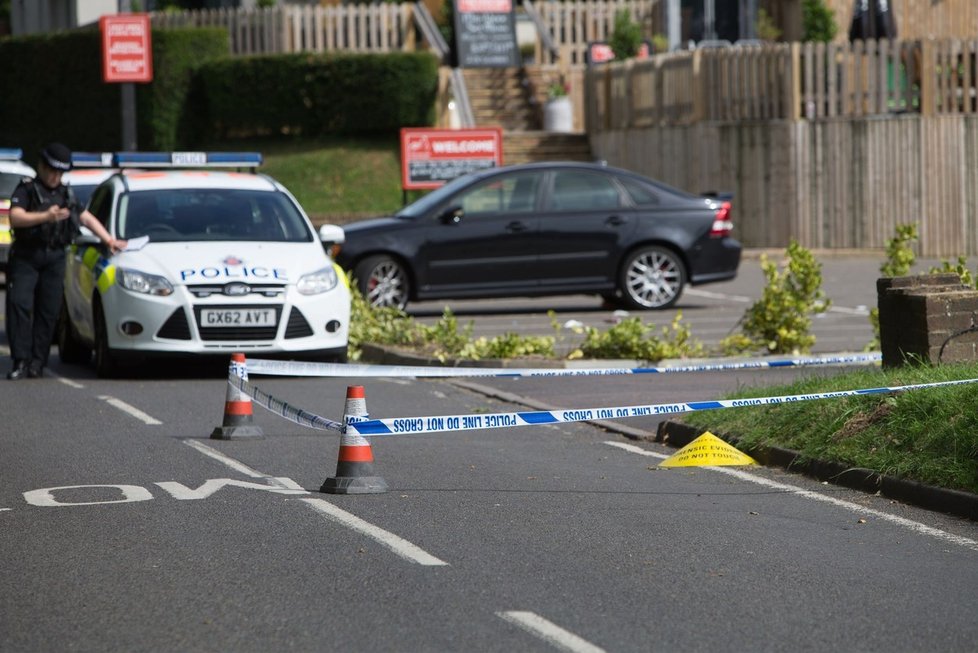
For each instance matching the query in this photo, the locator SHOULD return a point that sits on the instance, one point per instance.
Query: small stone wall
(933, 318)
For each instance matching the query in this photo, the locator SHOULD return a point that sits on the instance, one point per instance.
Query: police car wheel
(105, 364)
(383, 281)
(652, 277)
(71, 349)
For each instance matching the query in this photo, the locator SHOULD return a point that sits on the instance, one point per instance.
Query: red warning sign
(431, 157)
(127, 53)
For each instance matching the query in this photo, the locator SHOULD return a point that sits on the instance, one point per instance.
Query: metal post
(128, 91)
(709, 20)
(673, 24)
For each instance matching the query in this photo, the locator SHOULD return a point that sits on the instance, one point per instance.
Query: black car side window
(510, 194)
(583, 191)
(641, 194)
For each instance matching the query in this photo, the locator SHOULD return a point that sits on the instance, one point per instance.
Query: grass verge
(336, 179)
(926, 435)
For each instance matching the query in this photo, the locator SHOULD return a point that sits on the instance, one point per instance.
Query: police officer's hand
(58, 213)
(115, 245)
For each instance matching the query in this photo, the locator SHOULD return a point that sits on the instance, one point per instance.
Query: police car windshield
(196, 214)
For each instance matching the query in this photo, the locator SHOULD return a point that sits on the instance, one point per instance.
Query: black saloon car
(545, 229)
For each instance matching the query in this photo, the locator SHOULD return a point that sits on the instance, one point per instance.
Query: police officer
(45, 217)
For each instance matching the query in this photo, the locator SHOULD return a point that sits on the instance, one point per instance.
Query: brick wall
(933, 318)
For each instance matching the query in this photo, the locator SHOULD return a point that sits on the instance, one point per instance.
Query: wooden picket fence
(788, 82)
(378, 27)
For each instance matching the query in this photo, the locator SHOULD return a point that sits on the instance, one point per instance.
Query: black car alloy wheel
(383, 281)
(652, 277)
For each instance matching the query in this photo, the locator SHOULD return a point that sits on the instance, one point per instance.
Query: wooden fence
(384, 27)
(787, 82)
(573, 24)
(379, 27)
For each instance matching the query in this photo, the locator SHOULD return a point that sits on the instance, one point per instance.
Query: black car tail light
(722, 224)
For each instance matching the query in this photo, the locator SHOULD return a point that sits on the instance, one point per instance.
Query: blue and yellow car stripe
(101, 268)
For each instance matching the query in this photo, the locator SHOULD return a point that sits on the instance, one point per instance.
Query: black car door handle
(615, 221)
(516, 226)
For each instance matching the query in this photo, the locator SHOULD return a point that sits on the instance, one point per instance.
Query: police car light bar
(91, 159)
(188, 159)
(11, 153)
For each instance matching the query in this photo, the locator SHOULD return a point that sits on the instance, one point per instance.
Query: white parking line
(130, 409)
(696, 292)
(549, 632)
(398, 545)
(909, 524)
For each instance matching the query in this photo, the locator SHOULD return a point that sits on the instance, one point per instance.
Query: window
(211, 214)
(511, 194)
(101, 204)
(641, 194)
(575, 190)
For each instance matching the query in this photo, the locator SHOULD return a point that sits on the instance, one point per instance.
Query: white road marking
(66, 381)
(226, 460)
(696, 292)
(398, 545)
(909, 524)
(130, 409)
(549, 632)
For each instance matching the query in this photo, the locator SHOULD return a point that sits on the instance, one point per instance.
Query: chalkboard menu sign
(485, 34)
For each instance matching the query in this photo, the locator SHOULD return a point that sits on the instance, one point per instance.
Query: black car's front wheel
(652, 278)
(383, 281)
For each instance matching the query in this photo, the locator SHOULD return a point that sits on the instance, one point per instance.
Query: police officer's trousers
(35, 282)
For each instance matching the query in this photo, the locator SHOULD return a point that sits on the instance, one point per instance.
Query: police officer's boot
(19, 372)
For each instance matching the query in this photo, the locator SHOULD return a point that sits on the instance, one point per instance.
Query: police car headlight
(148, 284)
(318, 282)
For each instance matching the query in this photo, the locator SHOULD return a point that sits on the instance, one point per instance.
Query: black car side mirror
(452, 215)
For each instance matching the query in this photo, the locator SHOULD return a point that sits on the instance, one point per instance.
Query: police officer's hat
(57, 156)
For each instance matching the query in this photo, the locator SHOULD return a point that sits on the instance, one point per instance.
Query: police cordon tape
(302, 368)
(443, 423)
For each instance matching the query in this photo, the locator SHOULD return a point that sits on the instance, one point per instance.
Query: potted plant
(558, 112)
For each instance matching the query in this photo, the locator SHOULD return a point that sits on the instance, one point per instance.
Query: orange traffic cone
(238, 419)
(355, 463)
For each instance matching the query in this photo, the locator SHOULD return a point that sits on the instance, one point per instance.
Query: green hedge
(315, 95)
(52, 89)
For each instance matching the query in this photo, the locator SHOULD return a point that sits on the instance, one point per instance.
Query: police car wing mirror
(332, 234)
(452, 215)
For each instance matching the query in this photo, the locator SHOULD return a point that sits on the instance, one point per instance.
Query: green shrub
(818, 21)
(626, 36)
(780, 321)
(633, 339)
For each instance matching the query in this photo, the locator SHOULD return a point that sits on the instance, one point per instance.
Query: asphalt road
(712, 311)
(123, 527)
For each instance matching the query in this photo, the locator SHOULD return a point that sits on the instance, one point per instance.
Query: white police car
(217, 262)
(12, 170)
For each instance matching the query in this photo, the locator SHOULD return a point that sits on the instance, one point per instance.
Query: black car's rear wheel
(652, 278)
(383, 281)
